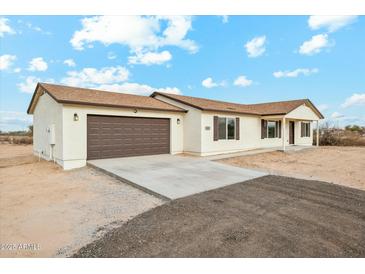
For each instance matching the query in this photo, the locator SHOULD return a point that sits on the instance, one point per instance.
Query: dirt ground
(48, 212)
(339, 165)
(270, 216)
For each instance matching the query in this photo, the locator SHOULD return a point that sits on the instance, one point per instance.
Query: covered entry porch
(292, 130)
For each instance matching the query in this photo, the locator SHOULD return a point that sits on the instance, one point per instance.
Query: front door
(291, 133)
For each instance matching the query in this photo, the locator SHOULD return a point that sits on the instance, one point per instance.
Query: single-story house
(72, 125)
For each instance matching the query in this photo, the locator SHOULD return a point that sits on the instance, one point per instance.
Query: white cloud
(91, 76)
(111, 79)
(13, 120)
(209, 83)
(5, 27)
(322, 107)
(139, 33)
(357, 99)
(111, 55)
(17, 70)
(38, 29)
(295, 73)
(29, 85)
(135, 88)
(331, 23)
(69, 62)
(337, 115)
(315, 44)
(256, 46)
(242, 81)
(224, 19)
(6, 61)
(150, 58)
(37, 64)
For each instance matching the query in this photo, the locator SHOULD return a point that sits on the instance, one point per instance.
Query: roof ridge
(88, 96)
(273, 102)
(194, 97)
(227, 102)
(93, 89)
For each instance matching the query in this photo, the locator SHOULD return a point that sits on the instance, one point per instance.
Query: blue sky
(245, 59)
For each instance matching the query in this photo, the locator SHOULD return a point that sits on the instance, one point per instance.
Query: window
(271, 129)
(226, 128)
(230, 128)
(306, 129)
(222, 128)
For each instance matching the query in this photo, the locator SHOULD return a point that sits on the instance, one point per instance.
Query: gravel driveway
(57, 212)
(271, 216)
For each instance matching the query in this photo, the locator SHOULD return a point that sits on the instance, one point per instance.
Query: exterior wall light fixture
(135, 110)
(178, 121)
(76, 117)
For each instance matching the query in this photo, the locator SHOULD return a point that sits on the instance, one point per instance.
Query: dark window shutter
(263, 129)
(302, 129)
(279, 129)
(237, 128)
(309, 129)
(215, 128)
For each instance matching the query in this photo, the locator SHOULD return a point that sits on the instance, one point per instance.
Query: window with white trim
(306, 129)
(226, 128)
(271, 129)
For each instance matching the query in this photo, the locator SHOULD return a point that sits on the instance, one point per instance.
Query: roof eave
(321, 116)
(32, 100)
(93, 104)
(177, 100)
(68, 102)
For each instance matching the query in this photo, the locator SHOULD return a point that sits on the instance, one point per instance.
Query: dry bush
(332, 136)
(18, 140)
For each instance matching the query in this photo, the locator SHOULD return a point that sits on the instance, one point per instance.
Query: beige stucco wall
(303, 140)
(192, 124)
(75, 132)
(46, 113)
(200, 142)
(249, 135)
(302, 112)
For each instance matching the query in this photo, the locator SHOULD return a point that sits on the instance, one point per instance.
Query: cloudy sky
(245, 59)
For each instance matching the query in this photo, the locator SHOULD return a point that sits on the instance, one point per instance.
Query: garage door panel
(112, 136)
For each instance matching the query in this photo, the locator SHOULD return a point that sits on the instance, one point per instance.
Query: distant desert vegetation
(23, 137)
(352, 135)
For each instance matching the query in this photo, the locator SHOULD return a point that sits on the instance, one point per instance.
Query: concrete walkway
(288, 149)
(173, 177)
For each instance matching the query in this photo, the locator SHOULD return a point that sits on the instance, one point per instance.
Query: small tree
(354, 128)
(30, 130)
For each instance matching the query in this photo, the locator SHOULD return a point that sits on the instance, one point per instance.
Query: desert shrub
(4, 139)
(332, 136)
(22, 140)
(355, 128)
(17, 137)
(18, 140)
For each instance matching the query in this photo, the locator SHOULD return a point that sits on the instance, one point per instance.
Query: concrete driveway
(171, 176)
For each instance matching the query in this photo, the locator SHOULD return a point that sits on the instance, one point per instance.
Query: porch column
(317, 142)
(283, 132)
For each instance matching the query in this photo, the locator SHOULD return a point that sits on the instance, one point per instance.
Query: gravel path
(270, 216)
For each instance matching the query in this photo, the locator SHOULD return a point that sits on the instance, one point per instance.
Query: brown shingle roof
(74, 95)
(273, 108)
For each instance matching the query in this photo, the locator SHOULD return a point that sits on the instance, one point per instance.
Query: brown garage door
(114, 136)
